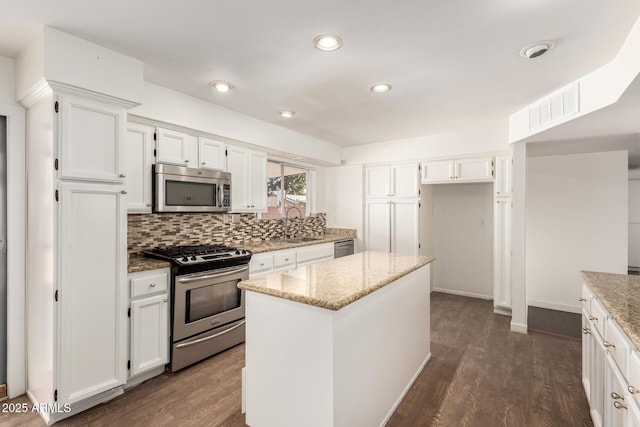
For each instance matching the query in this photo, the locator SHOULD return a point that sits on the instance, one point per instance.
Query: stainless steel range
(207, 306)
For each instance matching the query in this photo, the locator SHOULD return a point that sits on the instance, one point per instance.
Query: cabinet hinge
(129, 312)
(55, 395)
(128, 364)
(155, 136)
(57, 196)
(419, 167)
(56, 295)
(226, 152)
(155, 153)
(419, 246)
(419, 192)
(55, 164)
(56, 107)
(419, 205)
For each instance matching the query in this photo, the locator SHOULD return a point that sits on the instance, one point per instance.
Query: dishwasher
(343, 248)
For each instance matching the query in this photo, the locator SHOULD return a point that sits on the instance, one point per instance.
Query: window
(287, 187)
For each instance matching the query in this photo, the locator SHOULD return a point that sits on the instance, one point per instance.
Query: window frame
(310, 187)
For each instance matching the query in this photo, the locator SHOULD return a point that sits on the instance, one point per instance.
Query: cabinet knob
(204, 163)
(123, 175)
(592, 318)
(286, 259)
(619, 405)
(582, 299)
(186, 161)
(148, 205)
(632, 389)
(165, 300)
(153, 285)
(586, 331)
(123, 192)
(608, 344)
(616, 396)
(262, 264)
(252, 206)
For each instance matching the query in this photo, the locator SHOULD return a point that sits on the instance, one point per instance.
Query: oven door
(207, 300)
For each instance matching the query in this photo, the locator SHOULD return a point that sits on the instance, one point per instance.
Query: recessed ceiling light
(381, 88)
(287, 114)
(327, 42)
(221, 85)
(536, 49)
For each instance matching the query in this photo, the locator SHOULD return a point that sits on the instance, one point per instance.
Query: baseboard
(462, 293)
(404, 392)
(518, 327)
(502, 310)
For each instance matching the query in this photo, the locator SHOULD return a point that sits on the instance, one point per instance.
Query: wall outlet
(231, 218)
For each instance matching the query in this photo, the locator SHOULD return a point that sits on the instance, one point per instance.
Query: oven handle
(197, 278)
(187, 344)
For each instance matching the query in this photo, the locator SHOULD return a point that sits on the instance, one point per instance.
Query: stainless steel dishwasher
(343, 248)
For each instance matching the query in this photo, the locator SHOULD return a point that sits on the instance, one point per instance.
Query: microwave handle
(219, 195)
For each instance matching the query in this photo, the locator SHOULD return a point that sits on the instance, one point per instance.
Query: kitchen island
(336, 343)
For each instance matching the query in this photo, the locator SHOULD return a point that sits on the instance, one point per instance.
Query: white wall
(462, 233)
(166, 105)
(634, 222)
(577, 219)
(344, 199)
(465, 143)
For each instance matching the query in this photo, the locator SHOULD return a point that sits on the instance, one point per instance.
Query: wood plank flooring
(480, 374)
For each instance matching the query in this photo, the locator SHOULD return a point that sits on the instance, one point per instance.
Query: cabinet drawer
(316, 252)
(634, 375)
(617, 345)
(284, 259)
(585, 299)
(149, 284)
(261, 263)
(597, 316)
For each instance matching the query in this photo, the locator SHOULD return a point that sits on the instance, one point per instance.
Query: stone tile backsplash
(146, 231)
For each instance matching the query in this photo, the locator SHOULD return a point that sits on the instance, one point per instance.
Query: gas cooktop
(200, 254)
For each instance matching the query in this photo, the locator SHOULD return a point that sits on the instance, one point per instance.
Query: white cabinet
(92, 233)
(139, 162)
(391, 220)
(176, 148)
(288, 259)
(248, 170)
(615, 405)
(392, 181)
(309, 254)
(459, 170)
(211, 154)
(502, 213)
(392, 225)
(90, 140)
(503, 185)
(149, 331)
(284, 260)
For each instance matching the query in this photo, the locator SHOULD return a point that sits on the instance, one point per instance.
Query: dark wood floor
(480, 374)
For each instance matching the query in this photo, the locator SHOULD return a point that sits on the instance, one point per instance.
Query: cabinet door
(174, 148)
(377, 181)
(615, 406)
(405, 180)
(237, 164)
(502, 254)
(634, 414)
(405, 231)
(91, 140)
(149, 333)
(139, 161)
(92, 308)
(473, 170)
(503, 185)
(258, 181)
(586, 356)
(437, 172)
(377, 227)
(597, 355)
(211, 154)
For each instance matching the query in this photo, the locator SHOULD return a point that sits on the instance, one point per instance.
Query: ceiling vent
(560, 104)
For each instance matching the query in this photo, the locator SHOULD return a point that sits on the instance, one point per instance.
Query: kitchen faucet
(286, 222)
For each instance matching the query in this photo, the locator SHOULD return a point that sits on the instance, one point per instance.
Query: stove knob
(185, 259)
(193, 258)
(244, 251)
(237, 252)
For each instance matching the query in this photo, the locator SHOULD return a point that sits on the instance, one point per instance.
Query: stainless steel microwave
(180, 189)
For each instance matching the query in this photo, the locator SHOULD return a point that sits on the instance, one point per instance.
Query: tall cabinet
(502, 214)
(76, 250)
(392, 206)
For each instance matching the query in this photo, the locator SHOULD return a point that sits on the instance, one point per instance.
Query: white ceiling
(453, 64)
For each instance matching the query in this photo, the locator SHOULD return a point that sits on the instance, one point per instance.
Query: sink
(303, 239)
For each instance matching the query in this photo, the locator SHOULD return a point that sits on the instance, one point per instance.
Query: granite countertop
(138, 262)
(620, 295)
(334, 284)
(276, 245)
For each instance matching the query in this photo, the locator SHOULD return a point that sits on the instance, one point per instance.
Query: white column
(518, 240)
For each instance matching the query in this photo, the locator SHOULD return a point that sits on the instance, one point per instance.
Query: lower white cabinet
(288, 259)
(392, 225)
(502, 209)
(149, 331)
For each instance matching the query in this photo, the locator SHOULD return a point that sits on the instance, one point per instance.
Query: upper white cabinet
(211, 154)
(91, 140)
(248, 170)
(392, 181)
(176, 148)
(459, 170)
(139, 161)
